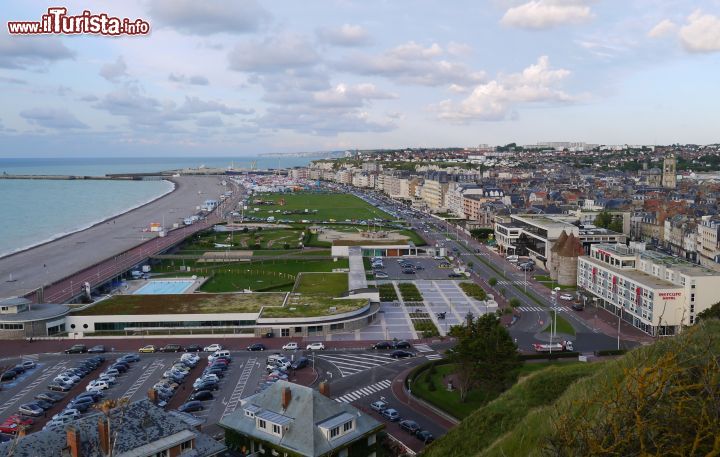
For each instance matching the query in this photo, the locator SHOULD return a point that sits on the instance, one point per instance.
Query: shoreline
(175, 186)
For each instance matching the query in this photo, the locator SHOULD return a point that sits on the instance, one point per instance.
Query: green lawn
(387, 292)
(321, 206)
(409, 292)
(473, 290)
(448, 401)
(306, 305)
(265, 239)
(182, 304)
(563, 326)
(275, 274)
(331, 284)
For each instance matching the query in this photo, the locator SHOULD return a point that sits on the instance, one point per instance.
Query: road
(113, 239)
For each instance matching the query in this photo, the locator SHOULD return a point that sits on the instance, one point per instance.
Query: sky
(249, 77)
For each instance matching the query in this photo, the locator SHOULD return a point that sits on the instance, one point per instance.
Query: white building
(654, 292)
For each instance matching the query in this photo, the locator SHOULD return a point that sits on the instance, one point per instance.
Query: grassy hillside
(660, 399)
(490, 422)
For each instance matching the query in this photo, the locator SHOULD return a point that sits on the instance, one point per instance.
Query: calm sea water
(35, 211)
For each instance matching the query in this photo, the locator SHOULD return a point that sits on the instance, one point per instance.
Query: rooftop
(36, 312)
(140, 429)
(646, 280)
(307, 410)
(183, 304)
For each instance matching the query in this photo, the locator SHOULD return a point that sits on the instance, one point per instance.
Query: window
(164, 453)
(335, 431)
(298, 329)
(249, 413)
(284, 332)
(339, 326)
(187, 445)
(262, 424)
(276, 429)
(347, 426)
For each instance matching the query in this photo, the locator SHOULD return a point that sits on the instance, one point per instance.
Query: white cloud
(114, 71)
(23, 52)
(662, 28)
(701, 33)
(209, 17)
(345, 35)
(196, 80)
(273, 54)
(52, 118)
(542, 14)
(496, 99)
(350, 96)
(412, 63)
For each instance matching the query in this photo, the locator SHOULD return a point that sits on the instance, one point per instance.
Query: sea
(36, 211)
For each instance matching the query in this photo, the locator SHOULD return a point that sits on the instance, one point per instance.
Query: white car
(97, 385)
(566, 297)
(70, 412)
(213, 348)
(290, 347)
(108, 379)
(315, 347)
(64, 380)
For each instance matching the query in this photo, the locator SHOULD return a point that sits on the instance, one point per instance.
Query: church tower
(669, 176)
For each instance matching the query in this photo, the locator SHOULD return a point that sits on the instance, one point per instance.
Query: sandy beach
(52, 261)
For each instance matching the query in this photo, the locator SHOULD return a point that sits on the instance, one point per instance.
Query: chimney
(22, 431)
(104, 434)
(324, 389)
(286, 397)
(152, 396)
(73, 441)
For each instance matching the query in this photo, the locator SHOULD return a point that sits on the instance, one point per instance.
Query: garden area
(249, 238)
(320, 206)
(473, 290)
(409, 292)
(329, 284)
(387, 292)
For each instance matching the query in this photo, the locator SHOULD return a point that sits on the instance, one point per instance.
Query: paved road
(53, 261)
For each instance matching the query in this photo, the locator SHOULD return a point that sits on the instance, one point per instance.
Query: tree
(492, 282)
(603, 219)
(515, 302)
(485, 355)
(710, 313)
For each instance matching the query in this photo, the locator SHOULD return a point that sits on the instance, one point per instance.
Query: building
(654, 292)
(293, 420)
(474, 203)
(139, 429)
(708, 242)
(669, 174)
(434, 190)
(20, 318)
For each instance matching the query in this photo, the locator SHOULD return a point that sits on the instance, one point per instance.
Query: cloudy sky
(246, 77)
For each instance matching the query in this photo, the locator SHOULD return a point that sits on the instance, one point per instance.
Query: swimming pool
(159, 287)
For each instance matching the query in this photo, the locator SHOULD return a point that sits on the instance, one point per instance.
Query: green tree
(492, 281)
(712, 312)
(515, 302)
(485, 355)
(603, 219)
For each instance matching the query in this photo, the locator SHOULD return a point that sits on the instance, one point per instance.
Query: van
(275, 358)
(223, 353)
(512, 258)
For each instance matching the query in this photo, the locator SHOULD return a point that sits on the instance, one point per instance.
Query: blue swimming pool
(160, 287)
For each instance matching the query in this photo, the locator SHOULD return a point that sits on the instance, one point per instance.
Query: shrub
(492, 281)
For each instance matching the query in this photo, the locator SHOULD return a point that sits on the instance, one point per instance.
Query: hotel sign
(669, 295)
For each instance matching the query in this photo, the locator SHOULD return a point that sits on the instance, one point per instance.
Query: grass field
(276, 274)
(563, 326)
(338, 207)
(182, 304)
(484, 426)
(331, 284)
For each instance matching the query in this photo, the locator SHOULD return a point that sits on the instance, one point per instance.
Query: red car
(20, 419)
(13, 423)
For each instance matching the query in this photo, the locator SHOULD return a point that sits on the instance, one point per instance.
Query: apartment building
(708, 242)
(654, 292)
(434, 190)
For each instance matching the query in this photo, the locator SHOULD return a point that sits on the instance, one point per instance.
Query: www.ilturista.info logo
(57, 21)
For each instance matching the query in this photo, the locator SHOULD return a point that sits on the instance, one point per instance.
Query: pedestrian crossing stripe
(539, 309)
(423, 348)
(516, 283)
(349, 364)
(364, 391)
(433, 357)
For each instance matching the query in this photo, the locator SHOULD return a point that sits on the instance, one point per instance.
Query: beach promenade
(26, 271)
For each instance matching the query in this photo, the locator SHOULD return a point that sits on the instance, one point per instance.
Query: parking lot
(430, 268)
(244, 377)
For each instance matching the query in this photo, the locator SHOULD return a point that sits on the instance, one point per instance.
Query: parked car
(381, 275)
(382, 345)
(256, 347)
(425, 436)
(76, 349)
(390, 414)
(44, 404)
(578, 306)
(409, 426)
(379, 406)
(318, 346)
(191, 406)
(53, 397)
(112, 372)
(147, 349)
(31, 409)
(193, 348)
(8, 375)
(567, 297)
(292, 346)
(206, 385)
(99, 349)
(28, 364)
(213, 348)
(408, 271)
(400, 354)
(456, 275)
(301, 362)
(171, 348)
(402, 345)
(69, 412)
(59, 387)
(202, 395)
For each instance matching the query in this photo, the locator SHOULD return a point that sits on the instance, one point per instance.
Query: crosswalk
(427, 351)
(364, 392)
(423, 348)
(529, 309)
(148, 370)
(514, 283)
(237, 392)
(349, 364)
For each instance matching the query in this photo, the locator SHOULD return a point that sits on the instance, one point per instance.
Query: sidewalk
(421, 407)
